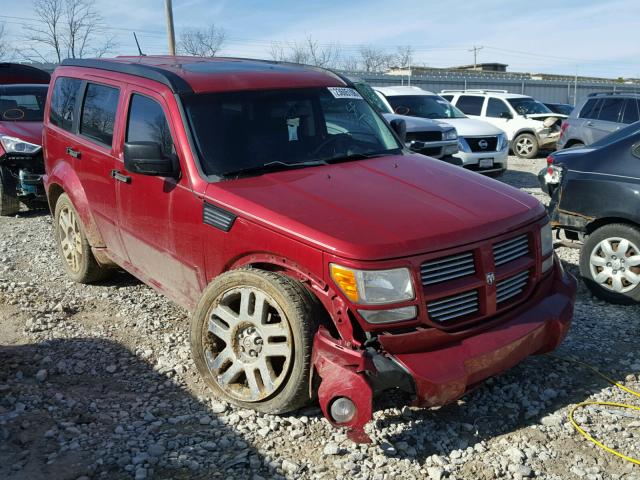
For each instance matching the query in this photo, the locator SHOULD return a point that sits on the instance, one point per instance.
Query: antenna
(139, 49)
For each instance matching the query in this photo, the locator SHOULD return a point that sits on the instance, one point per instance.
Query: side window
(448, 98)
(591, 108)
(611, 109)
(63, 102)
(99, 113)
(496, 108)
(470, 104)
(148, 123)
(631, 111)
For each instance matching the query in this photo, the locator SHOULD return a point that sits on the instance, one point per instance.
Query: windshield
(23, 103)
(248, 130)
(369, 93)
(528, 106)
(425, 106)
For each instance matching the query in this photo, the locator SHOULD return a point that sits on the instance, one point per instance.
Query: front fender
(64, 177)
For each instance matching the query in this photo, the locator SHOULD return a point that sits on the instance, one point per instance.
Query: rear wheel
(251, 338)
(577, 145)
(610, 263)
(525, 145)
(9, 203)
(73, 245)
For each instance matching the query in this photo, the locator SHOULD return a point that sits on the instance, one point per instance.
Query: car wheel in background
(9, 204)
(73, 245)
(251, 338)
(577, 145)
(525, 145)
(610, 263)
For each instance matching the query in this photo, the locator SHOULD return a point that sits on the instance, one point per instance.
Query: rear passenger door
(609, 118)
(157, 214)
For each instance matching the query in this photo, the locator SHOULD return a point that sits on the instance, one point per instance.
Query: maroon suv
(317, 254)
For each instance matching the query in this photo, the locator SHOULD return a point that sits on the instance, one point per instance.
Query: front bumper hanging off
(442, 374)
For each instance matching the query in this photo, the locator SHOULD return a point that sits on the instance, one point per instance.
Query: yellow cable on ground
(610, 404)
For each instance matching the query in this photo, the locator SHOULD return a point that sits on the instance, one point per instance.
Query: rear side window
(63, 102)
(611, 109)
(148, 123)
(469, 104)
(631, 111)
(99, 113)
(496, 108)
(590, 109)
(448, 98)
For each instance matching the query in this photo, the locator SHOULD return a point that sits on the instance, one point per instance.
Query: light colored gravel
(97, 382)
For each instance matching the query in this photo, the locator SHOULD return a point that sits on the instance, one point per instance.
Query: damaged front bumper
(441, 372)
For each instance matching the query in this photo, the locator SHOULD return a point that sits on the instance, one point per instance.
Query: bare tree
(205, 42)
(309, 52)
(5, 46)
(375, 59)
(67, 28)
(404, 56)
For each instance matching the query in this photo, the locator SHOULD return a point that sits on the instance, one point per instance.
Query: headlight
(546, 246)
(373, 287)
(450, 134)
(16, 145)
(463, 146)
(503, 141)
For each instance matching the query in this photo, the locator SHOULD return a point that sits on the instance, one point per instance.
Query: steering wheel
(338, 141)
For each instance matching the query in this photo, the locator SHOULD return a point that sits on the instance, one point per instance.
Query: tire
(601, 256)
(525, 145)
(577, 145)
(9, 204)
(220, 333)
(74, 248)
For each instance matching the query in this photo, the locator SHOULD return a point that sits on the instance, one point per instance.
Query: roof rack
(176, 83)
(474, 90)
(611, 92)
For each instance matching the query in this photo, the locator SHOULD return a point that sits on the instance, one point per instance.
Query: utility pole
(575, 88)
(475, 51)
(171, 36)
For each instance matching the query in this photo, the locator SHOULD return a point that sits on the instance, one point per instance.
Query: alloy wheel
(615, 264)
(70, 238)
(248, 344)
(524, 146)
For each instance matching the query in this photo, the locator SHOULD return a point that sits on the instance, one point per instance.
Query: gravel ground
(97, 382)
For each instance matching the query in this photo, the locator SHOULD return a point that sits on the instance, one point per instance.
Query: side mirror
(146, 158)
(400, 127)
(506, 115)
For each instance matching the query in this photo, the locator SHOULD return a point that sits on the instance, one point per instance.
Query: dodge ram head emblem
(491, 278)
(483, 144)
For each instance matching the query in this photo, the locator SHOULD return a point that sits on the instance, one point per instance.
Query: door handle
(120, 177)
(589, 124)
(73, 153)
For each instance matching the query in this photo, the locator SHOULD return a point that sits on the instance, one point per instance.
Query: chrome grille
(512, 286)
(511, 249)
(447, 268)
(453, 307)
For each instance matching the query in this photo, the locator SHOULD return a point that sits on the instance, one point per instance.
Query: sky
(586, 37)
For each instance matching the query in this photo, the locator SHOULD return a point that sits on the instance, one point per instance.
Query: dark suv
(595, 199)
(317, 254)
(599, 115)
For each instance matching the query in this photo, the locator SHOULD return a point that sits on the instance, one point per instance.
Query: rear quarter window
(631, 111)
(591, 108)
(99, 113)
(470, 104)
(63, 102)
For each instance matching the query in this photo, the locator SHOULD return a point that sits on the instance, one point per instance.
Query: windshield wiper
(358, 156)
(271, 167)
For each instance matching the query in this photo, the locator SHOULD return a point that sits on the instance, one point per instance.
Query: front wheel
(610, 263)
(525, 145)
(251, 338)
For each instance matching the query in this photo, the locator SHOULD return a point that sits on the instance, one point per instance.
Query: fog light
(342, 410)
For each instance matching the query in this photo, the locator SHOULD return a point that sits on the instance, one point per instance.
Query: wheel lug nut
(253, 353)
(613, 257)
(608, 264)
(258, 341)
(242, 349)
(615, 272)
(622, 269)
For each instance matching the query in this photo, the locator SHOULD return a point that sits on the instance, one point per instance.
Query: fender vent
(218, 217)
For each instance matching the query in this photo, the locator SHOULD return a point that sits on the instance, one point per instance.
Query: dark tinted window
(22, 103)
(99, 113)
(631, 111)
(610, 110)
(497, 108)
(448, 98)
(470, 105)
(147, 123)
(63, 102)
(591, 108)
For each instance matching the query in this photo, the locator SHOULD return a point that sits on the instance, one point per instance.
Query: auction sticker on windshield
(342, 92)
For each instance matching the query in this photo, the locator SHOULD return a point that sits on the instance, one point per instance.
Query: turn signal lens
(346, 280)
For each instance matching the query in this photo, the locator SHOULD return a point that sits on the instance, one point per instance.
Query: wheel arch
(571, 142)
(608, 220)
(524, 130)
